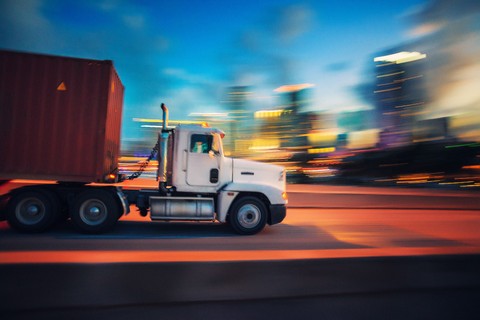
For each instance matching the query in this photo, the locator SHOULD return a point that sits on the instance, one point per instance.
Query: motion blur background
(350, 92)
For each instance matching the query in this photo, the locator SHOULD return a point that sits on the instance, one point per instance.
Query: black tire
(94, 211)
(32, 210)
(248, 215)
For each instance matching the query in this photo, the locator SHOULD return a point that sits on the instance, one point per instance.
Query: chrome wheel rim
(30, 211)
(249, 216)
(93, 212)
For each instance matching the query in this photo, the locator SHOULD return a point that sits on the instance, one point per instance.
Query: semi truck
(60, 124)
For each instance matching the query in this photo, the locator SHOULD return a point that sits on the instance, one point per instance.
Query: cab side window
(200, 143)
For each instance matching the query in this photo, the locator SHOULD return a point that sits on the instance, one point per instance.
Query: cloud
(249, 77)
(184, 100)
(23, 25)
(288, 23)
(161, 43)
(108, 5)
(191, 92)
(294, 21)
(438, 14)
(134, 21)
(261, 55)
(26, 13)
(184, 75)
(338, 66)
(425, 29)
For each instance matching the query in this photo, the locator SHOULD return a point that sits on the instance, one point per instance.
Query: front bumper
(278, 212)
(3, 207)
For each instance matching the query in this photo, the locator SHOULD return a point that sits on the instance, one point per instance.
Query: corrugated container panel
(60, 117)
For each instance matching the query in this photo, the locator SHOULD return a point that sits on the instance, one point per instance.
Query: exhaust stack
(164, 116)
(163, 152)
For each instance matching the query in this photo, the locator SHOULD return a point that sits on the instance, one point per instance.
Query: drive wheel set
(35, 210)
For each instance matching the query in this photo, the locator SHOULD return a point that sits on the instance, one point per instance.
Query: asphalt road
(322, 222)
(341, 253)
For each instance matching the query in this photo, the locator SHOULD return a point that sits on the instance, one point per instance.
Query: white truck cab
(198, 183)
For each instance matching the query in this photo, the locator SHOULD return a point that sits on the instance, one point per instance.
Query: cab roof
(200, 129)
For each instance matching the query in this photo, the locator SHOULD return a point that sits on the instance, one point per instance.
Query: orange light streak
(90, 257)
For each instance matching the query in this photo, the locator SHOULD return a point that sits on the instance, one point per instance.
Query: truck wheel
(94, 211)
(32, 211)
(248, 215)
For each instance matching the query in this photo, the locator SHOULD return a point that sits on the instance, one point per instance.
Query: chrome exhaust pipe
(163, 152)
(165, 116)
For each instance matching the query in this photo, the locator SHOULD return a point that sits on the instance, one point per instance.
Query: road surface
(341, 253)
(322, 222)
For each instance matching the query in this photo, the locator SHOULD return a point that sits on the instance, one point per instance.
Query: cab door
(202, 161)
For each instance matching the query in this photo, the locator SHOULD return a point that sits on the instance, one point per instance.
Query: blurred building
(357, 130)
(295, 122)
(450, 32)
(239, 121)
(427, 89)
(399, 94)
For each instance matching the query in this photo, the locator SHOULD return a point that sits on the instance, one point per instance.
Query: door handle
(213, 175)
(184, 164)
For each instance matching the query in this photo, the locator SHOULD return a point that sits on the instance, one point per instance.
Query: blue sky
(187, 53)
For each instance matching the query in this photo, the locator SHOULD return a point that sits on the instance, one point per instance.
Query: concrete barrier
(384, 201)
(49, 287)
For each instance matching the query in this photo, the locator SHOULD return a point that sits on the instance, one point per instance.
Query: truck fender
(229, 193)
(273, 194)
(122, 198)
(225, 200)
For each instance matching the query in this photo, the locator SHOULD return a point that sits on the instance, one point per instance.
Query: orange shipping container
(60, 117)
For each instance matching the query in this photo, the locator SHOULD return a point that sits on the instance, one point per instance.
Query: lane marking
(122, 256)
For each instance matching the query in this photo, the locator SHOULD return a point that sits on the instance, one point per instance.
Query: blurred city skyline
(324, 88)
(189, 54)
